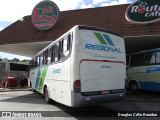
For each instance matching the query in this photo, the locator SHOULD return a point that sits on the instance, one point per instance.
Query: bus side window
(158, 57)
(18, 67)
(46, 57)
(52, 54)
(41, 59)
(66, 45)
(35, 62)
(30, 66)
(56, 51)
(49, 55)
(62, 44)
(37, 58)
(59, 50)
(137, 60)
(31, 63)
(150, 58)
(128, 60)
(69, 42)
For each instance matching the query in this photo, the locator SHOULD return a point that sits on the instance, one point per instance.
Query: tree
(15, 60)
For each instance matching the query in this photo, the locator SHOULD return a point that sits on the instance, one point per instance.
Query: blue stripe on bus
(38, 78)
(151, 69)
(148, 70)
(136, 73)
(154, 86)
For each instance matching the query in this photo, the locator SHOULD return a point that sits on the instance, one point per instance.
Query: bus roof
(145, 51)
(98, 29)
(80, 27)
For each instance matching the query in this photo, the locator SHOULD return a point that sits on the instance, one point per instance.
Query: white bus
(85, 66)
(13, 70)
(143, 70)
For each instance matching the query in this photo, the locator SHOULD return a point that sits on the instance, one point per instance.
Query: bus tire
(133, 86)
(33, 90)
(30, 85)
(46, 96)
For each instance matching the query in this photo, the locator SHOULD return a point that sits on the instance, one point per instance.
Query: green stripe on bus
(43, 76)
(100, 38)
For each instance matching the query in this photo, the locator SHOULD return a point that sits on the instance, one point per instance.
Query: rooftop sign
(143, 11)
(45, 15)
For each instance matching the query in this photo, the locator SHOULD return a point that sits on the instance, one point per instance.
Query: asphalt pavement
(25, 100)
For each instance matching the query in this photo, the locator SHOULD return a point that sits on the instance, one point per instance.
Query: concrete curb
(15, 89)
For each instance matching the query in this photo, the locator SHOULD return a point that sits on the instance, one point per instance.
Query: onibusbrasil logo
(106, 44)
(143, 11)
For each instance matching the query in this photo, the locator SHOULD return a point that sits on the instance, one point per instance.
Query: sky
(13, 10)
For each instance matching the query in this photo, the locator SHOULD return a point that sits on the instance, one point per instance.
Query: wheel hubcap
(134, 87)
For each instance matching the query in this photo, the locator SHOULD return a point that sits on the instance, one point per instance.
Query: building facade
(137, 36)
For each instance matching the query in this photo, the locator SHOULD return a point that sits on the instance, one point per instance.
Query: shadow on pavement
(29, 98)
(133, 102)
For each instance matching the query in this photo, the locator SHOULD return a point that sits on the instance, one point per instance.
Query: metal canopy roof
(132, 44)
(24, 49)
(24, 39)
(139, 43)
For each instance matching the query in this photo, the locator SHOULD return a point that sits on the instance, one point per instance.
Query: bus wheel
(33, 90)
(46, 96)
(134, 87)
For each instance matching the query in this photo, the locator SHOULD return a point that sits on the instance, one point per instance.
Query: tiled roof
(111, 18)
